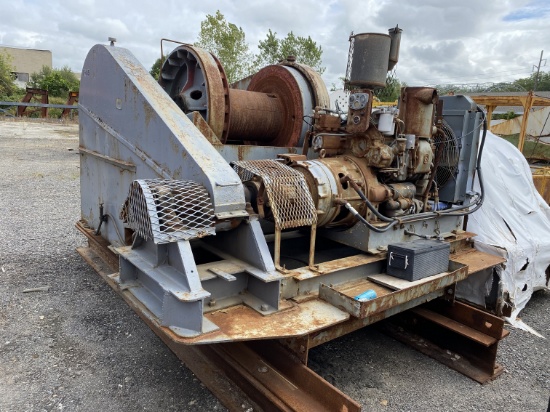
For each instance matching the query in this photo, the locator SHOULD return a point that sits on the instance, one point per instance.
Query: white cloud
(443, 40)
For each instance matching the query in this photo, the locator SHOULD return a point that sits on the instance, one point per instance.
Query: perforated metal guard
(286, 189)
(168, 210)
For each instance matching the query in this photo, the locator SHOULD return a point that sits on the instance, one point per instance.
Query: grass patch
(34, 112)
(531, 149)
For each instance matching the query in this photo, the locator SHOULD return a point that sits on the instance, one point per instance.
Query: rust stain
(417, 110)
(541, 179)
(476, 260)
(336, 265)
(278, 82)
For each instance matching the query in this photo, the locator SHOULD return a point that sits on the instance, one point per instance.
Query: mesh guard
(286, 189)
(168, 210)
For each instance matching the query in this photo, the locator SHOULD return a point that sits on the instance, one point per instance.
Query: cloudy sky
(443, 41)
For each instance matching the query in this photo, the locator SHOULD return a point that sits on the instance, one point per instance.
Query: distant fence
(44, 105)
(65, 107)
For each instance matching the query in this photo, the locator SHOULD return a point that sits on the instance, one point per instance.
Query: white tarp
(514, 222)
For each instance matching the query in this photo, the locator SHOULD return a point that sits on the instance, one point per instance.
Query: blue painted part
(366, 295)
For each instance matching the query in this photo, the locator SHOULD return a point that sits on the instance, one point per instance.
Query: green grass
(34, 112)
(530, 149)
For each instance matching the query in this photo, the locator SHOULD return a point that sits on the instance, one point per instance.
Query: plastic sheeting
(514, 222)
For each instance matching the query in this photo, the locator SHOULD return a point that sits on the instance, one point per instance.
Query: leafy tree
(389, 93)
(155, 68)
(228, 43)
(506, 116)
(392, 91)
(7, 81)
(57, 82)
(528, 83)
(305, 50)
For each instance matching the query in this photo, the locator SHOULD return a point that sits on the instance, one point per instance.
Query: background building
(26, 62)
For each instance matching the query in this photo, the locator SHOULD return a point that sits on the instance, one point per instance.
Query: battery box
(418, 259)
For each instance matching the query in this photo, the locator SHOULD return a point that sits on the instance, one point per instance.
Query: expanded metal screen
(168, 210)
(286, 189)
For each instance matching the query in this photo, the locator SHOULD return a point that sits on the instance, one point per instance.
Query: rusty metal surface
(455, 326)
(280, 82)
(453, 337)
(335, 265)
(286, 190)
(463, 252)
(541, 179)
(416, 110)
(255, 117)
(311, 316)
(343, 299)
(475, 319)
(320, 91)
(197, 358)
(302, 344)
(168, 210)
(264, 376)
(205, 129)
(283, 382)
(71, 100)
(476, 260)
(240, 323)
(100, 246)
(126, 133)
(180, 76)
(33, 94)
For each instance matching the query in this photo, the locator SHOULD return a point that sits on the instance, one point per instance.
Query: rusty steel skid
(312, 302)
(460, 336)
(263, 377)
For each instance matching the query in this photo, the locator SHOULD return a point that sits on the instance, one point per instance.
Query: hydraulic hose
(479, 200)
(357, 189)
(355, 213)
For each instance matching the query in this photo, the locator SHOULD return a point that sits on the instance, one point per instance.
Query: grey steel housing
(130, 130)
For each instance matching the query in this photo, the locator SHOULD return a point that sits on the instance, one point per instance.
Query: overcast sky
(443, 41)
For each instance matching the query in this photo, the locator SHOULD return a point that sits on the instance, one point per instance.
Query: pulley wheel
(196, 81)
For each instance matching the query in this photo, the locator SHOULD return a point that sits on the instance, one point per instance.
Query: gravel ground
(78, 346)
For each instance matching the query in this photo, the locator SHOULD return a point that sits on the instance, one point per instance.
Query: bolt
(212, 303)
(262, 369)
(264, 307)
(449, 291)
(291, 59)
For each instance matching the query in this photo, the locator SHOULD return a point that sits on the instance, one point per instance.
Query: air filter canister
(369, 64)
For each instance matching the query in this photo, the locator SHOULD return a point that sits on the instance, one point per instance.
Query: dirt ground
(78, 347)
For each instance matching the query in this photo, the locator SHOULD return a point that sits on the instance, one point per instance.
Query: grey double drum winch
(244, 211)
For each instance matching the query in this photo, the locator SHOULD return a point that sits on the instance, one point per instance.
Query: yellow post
(527, 103)
(489, 115)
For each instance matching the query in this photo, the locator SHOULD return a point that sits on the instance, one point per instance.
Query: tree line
(228, 42)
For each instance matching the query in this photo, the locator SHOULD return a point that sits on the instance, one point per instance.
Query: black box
(418, 259)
